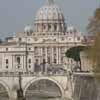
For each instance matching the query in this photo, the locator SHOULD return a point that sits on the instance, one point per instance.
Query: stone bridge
(40, 85)
(82, 86)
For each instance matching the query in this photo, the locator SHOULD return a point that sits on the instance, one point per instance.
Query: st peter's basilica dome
(50, 18)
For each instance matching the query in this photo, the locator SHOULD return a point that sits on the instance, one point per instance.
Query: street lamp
(19, 91)
(20, 95)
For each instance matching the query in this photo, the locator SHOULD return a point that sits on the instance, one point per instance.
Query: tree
(94, 51)
(94, 24)
(74, 53)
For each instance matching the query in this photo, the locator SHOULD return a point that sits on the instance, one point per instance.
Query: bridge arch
(45, 78)
(5, 88)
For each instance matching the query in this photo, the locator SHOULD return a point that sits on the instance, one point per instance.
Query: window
(54, 33)
(6, 67)
(18, 67)
(20, 39)
(55, 61)
(18, 60)
(71, 32)
(35, 50)
(36, 61)
(44, 61)
(29, 66)
(29, 48)
(54, 39)
(29, 60)
(6, 61)
(62, 59)
(6, 49)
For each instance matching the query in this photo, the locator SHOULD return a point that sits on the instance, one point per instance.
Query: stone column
(52, 26)
(46, 54)
(58, 28)
(57, 57)
(33, 60)
(52, 57)
(41, 54)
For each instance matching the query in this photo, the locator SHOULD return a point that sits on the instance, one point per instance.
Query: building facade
(48, 42)
(39, 54)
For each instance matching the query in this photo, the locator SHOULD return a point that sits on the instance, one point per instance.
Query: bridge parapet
(30, 74)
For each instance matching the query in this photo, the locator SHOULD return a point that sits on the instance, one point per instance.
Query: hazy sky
(15, 14)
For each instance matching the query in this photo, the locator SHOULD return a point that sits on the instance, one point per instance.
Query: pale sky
(15, 14)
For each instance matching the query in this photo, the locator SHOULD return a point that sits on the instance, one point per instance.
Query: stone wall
(85, 88)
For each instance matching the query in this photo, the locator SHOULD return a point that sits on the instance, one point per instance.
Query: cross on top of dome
(49, 2)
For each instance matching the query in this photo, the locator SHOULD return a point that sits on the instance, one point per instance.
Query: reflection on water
(3, 98)
(31, 98)
(41, 99)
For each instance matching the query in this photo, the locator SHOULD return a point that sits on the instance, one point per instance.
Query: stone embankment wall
(85, 87)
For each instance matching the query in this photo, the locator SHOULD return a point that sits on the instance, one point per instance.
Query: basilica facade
(45, 46)
(34, 60)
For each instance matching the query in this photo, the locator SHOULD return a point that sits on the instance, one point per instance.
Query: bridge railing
(30, 74)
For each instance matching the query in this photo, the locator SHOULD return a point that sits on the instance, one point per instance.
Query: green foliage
(74, 52)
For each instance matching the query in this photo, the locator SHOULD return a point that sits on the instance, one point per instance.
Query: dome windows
(55, 27)
(49, 27)
(49, 15)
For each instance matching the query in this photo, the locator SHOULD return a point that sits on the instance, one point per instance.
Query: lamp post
(20, 95)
